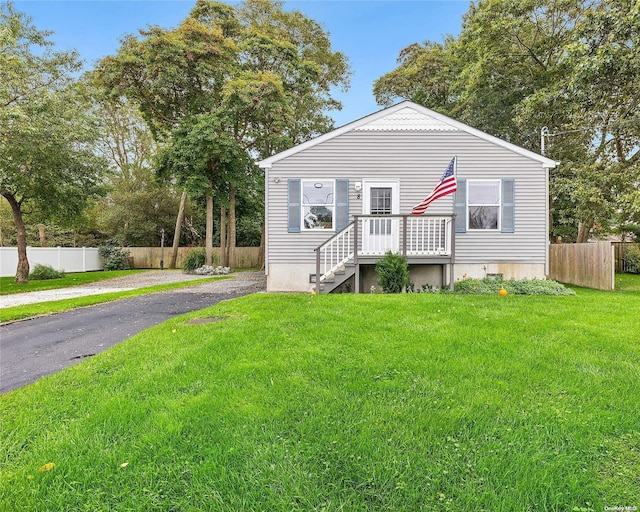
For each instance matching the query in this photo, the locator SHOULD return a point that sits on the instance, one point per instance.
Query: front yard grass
(358, 403)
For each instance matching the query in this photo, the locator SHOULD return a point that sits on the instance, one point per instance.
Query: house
(337, 203)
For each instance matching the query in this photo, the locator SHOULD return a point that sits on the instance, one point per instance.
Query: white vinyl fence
(68, 259)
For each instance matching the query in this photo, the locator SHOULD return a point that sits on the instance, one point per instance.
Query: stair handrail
(321, 275)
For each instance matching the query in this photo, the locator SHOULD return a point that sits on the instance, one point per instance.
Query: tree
(425, 75)
(226, 86)
(570, 65)
(47, 131)
(601, 97)
(138, 206)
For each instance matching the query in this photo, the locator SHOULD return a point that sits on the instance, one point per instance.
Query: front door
(380, 235)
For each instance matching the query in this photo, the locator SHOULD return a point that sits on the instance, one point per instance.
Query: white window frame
(332, 206)
(470, 183)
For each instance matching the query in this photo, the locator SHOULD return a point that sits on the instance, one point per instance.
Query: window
(483, 204)
(380, 204)
(481, 208)
(318, 204)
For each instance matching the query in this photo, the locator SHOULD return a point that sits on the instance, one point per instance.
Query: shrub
(491, 286)
(115, 258)
(194, 260)
(393, 273)
(41, 272)
(631, 260)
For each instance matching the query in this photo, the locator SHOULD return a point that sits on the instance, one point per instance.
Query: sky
(370, 33)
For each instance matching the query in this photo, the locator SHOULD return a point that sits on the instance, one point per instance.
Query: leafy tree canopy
(518, 66)
(229, 84)
(48, 165)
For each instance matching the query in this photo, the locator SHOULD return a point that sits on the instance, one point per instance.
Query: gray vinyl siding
(416, 160)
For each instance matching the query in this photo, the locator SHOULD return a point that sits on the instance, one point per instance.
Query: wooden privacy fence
(149, 257)
(590, 265)
(620, 249)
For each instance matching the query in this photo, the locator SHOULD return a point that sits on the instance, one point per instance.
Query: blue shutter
(460, 206)
(342, 204)
(295, 206)
(508, 206)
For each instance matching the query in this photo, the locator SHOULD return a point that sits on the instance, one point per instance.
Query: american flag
(447, 185)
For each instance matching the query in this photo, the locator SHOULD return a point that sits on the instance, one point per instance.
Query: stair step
(312, 279)
(339, 272)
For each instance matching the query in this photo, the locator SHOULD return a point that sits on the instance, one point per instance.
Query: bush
(41, 272)
(115, 258)
(491, 286)
(393, 273)
(194, 260)
(631, 260)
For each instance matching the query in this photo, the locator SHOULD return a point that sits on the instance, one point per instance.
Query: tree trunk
(223, 236)
(42, 235)
(231, 240)
(22, 271)
(584, 229)
(208, 240)
(176, 232)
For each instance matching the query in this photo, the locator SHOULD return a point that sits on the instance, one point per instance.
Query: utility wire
(613, 126)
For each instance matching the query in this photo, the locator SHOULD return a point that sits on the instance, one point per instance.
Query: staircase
(334, 261)
(333, 280)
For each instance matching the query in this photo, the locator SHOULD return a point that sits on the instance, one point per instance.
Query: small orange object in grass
(502, 292)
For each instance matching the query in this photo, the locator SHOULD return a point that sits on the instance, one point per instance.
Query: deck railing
(374, 235)
(410, 235)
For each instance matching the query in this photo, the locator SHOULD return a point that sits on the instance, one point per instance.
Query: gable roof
(406, 116)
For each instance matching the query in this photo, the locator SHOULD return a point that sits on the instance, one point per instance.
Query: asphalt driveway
(34, 348)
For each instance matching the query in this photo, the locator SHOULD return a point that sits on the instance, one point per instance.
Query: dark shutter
(508, 203)
(295, 206)
(460, 206)
(342, 204)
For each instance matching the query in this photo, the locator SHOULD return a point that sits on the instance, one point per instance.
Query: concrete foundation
(508, 270)
(295, 277)
(290, 277)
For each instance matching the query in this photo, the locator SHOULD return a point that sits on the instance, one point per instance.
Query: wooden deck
(423, 240)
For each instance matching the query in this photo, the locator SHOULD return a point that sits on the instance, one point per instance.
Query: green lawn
(343, 402)
(13, 313)
(628, 283)
(7, 285)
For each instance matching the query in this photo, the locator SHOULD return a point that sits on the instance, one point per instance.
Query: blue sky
(370, 32)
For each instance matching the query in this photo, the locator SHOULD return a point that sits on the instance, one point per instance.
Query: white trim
(366, 194)
(546, 163)
(267, 192)
(375, 242)
(499, 205)
(546, 223)
(304, 229)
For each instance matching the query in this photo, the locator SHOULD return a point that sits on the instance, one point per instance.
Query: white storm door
(381, 198)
